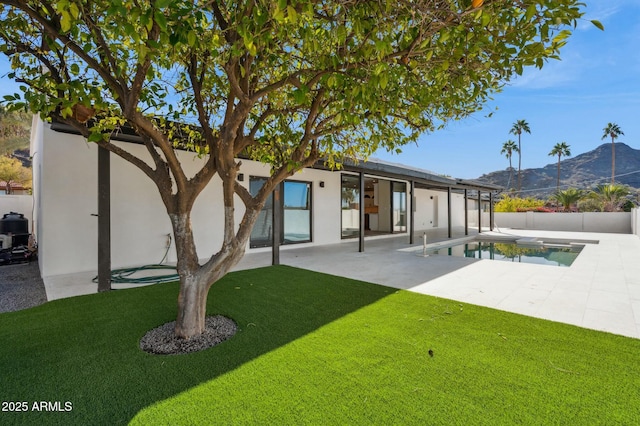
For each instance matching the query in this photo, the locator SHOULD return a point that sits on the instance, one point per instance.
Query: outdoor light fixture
(321, 184)
(240, 177)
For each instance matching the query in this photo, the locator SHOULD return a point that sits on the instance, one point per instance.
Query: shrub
(517, 204)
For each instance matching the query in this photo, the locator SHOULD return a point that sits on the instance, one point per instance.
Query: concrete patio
(600, 290)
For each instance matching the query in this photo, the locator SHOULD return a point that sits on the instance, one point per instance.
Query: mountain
(15, 130)
(582, 171)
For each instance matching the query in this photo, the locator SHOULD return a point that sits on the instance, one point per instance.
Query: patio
(600, 291)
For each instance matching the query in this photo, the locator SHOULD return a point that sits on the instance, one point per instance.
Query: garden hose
(124, 275)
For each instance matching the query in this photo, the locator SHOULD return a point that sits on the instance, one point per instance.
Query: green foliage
(12, 171)
(560, 149)
(568, 197)
(613, 131)
(15, 127)
(517, 204)
(297, 71)
(609, 198)
(314, 349)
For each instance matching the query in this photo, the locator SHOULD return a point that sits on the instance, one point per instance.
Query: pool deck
(600, 290)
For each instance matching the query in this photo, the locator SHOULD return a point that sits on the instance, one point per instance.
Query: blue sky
(572, 100)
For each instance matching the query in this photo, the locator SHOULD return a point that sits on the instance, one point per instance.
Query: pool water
(512, 252)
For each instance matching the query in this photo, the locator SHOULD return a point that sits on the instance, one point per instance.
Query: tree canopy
(286, 82)
(13, 172)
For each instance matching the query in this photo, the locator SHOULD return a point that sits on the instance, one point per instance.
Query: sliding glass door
(399, 200)
(350, 206)
(296, 219)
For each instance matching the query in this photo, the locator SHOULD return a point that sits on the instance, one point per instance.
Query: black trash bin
(17, 225)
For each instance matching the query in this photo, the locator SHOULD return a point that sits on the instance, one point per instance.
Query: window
(296, 218)
(350, 206)
(297, 212)
(262, 232)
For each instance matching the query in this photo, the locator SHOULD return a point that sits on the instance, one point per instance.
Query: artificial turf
(312, 349)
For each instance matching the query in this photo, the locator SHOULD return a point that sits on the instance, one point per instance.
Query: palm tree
(508, 148)
(613, 131)
(610, 197)
(568, 197)
(560, 149)
(517, 129)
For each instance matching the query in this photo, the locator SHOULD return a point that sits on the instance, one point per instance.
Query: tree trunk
(192, 306)
(196, 280)
(613, 161)
(519, 166)
(558, 181)
(192, 299)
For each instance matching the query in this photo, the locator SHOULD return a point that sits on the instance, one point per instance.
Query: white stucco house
(364, 200)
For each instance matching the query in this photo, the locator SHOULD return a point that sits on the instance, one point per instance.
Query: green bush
(516, 204)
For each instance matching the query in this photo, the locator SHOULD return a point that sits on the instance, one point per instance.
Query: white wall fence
(19, 204)
(609, 222)
(635, 221)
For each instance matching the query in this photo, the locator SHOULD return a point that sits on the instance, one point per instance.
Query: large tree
(518, 127)
(560, 149)
(508, 148)
(12, 172)
(286, 82)
(613, 131)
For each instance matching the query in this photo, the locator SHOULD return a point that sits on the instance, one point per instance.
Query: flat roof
(422, 178)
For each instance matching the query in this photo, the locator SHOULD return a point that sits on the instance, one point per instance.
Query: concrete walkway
(600, 290)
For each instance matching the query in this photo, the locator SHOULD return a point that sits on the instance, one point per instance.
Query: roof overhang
(421, 178)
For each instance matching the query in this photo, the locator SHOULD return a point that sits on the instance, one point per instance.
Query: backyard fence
(610, 222)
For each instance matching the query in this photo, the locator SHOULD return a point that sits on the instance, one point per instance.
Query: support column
(104, 220)
(276, 221)
(412, 207)
(491, 218)
(361, 225)
(449, 211)
(479, 212)
(466, 213)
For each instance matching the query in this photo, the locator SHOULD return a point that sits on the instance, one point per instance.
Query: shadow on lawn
(83, 352)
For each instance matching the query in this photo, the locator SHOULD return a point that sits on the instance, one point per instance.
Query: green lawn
(313, 349)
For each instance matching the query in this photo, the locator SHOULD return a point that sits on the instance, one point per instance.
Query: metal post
(449, 211)
(104, 220)
(479, 212)
(466, 213)
(276, 226)
(361, 206)
(412, 224)
(491, 217)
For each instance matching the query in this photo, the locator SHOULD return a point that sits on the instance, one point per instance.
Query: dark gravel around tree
(21, 287)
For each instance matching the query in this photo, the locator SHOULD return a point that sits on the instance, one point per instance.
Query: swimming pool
(556, 255)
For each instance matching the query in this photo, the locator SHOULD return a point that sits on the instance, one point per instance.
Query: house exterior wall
(65, 205)
(66, 198)
(428, 201)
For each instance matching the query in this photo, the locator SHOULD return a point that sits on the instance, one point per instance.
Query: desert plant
(609, 197)
(613, 131)
(568, 197)
(560, 149)
(517, 129)
(508, 148)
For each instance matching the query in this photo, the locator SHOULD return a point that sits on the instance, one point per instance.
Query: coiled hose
(124, 275)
